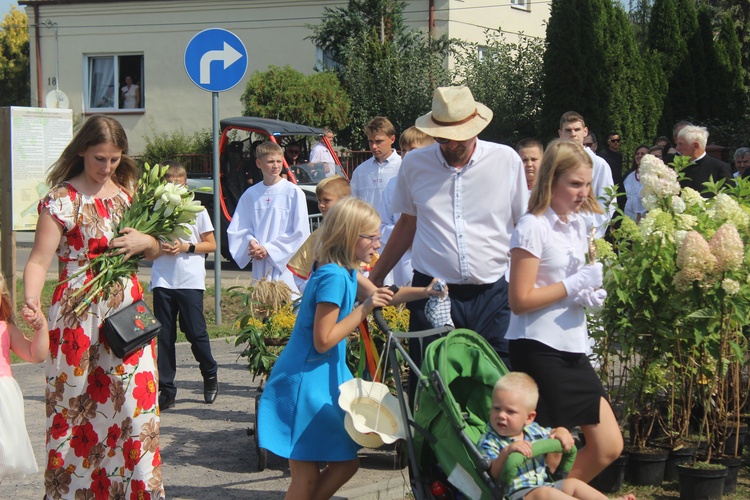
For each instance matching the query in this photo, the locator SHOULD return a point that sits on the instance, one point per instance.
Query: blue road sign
(215, 60)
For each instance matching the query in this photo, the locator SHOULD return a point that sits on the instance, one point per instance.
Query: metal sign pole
(217, 209)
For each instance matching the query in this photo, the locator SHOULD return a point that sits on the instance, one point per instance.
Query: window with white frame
(520, 4)
(114, 83)
(324, 59)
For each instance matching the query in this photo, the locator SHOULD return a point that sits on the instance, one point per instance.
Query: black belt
(456, 287)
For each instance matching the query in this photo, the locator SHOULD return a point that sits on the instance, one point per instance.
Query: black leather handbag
(130, 328)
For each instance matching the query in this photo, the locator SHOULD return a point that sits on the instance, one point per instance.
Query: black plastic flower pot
(646, 467)
(733, 468)
(675, 458)
(701, 483)
(610, 479)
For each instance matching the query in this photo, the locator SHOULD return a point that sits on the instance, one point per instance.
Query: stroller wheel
(261, 453)
(402, 454)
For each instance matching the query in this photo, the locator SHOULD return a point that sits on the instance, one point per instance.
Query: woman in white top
(549, 277)
(131, 94)
(632, 183)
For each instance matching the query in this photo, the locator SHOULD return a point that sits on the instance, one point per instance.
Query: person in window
(131, 94)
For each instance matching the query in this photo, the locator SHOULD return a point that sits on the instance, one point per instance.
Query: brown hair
(98, 129)
(335, 185)
(380, 124)
(529, 143)
(6, 304)
(175, 169)
(570, 117)
(560, 157)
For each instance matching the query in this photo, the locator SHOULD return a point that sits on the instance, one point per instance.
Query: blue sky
(5, 6)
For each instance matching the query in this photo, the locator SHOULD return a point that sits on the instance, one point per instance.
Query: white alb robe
(276, 217)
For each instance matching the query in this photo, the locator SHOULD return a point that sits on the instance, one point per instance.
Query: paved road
(206, 450)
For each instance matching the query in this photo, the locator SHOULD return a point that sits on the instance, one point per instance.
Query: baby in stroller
(512, 429)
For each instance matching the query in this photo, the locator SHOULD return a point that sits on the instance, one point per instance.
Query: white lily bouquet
(159, 208)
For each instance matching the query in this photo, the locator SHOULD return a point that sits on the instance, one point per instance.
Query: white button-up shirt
(370, 178)
(464, 216)
(561, 249)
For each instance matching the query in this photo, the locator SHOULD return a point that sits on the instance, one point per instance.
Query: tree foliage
(507, 79)
(284, 93)
(594, 65)
(162, 146)
(394, 79)
(359, 16)
(14, 59)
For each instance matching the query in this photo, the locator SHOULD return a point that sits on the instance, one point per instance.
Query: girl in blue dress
(298, 416)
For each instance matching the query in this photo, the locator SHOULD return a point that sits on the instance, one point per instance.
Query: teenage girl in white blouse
(547, 332)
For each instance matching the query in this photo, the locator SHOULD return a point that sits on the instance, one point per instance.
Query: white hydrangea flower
(657, 178)
(685, 221)
(691, 197)
(650, 201)
(677, 204)
(679, 237)
(726, 209)
(730, 286)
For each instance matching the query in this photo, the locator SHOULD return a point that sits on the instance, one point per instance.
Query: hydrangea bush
(678, 288)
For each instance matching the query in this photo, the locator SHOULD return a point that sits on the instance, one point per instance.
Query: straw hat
(455, 115)
(373, 416)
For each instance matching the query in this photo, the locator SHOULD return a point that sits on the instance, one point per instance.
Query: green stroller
(451, 408)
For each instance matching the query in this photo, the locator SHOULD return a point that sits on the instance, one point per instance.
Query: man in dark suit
(691, 142)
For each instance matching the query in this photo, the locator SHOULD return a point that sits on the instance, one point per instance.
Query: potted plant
(678, 300)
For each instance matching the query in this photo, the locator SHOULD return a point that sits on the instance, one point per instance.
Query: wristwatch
(191, 248)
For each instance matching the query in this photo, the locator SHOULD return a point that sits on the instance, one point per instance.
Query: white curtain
(102, 90)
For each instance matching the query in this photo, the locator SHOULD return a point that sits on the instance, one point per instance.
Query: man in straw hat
(459, 200)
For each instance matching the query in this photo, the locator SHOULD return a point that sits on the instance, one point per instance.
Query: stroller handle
(542, 447)
(377, 314)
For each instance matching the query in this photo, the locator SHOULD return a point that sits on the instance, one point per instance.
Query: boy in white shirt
(270, 222)
(178, 280)
(371, 176)
(411, 138)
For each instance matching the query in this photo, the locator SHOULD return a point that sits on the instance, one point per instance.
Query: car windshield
(312, 173)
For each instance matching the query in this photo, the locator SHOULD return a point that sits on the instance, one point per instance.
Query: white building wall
(274, 33)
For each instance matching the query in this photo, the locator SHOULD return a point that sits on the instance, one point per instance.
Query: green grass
(230, 309)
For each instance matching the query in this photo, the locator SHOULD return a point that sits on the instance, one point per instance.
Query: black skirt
(570, 391)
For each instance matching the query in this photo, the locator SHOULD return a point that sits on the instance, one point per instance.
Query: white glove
(589, 276)
(590, 298)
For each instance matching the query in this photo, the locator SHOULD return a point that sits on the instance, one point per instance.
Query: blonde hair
(560, 157)
(98, 129)
(335, 185)
(6, 304)
(520, 383)
(268, 148)
(414, 138)
(349, 218)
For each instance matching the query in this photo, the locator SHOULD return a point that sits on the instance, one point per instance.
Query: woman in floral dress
(102, 414)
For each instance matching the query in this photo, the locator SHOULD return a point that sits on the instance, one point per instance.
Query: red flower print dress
(102, 416)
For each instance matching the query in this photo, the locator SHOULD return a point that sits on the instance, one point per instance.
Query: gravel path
(206, 450)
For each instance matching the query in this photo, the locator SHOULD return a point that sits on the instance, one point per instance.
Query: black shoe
(165, 401)
(210, 389)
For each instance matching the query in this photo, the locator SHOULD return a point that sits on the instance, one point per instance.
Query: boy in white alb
(270, 222)
(178, 280)
(370, 177)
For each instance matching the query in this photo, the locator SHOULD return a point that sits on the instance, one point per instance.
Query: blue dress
(298, 415)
